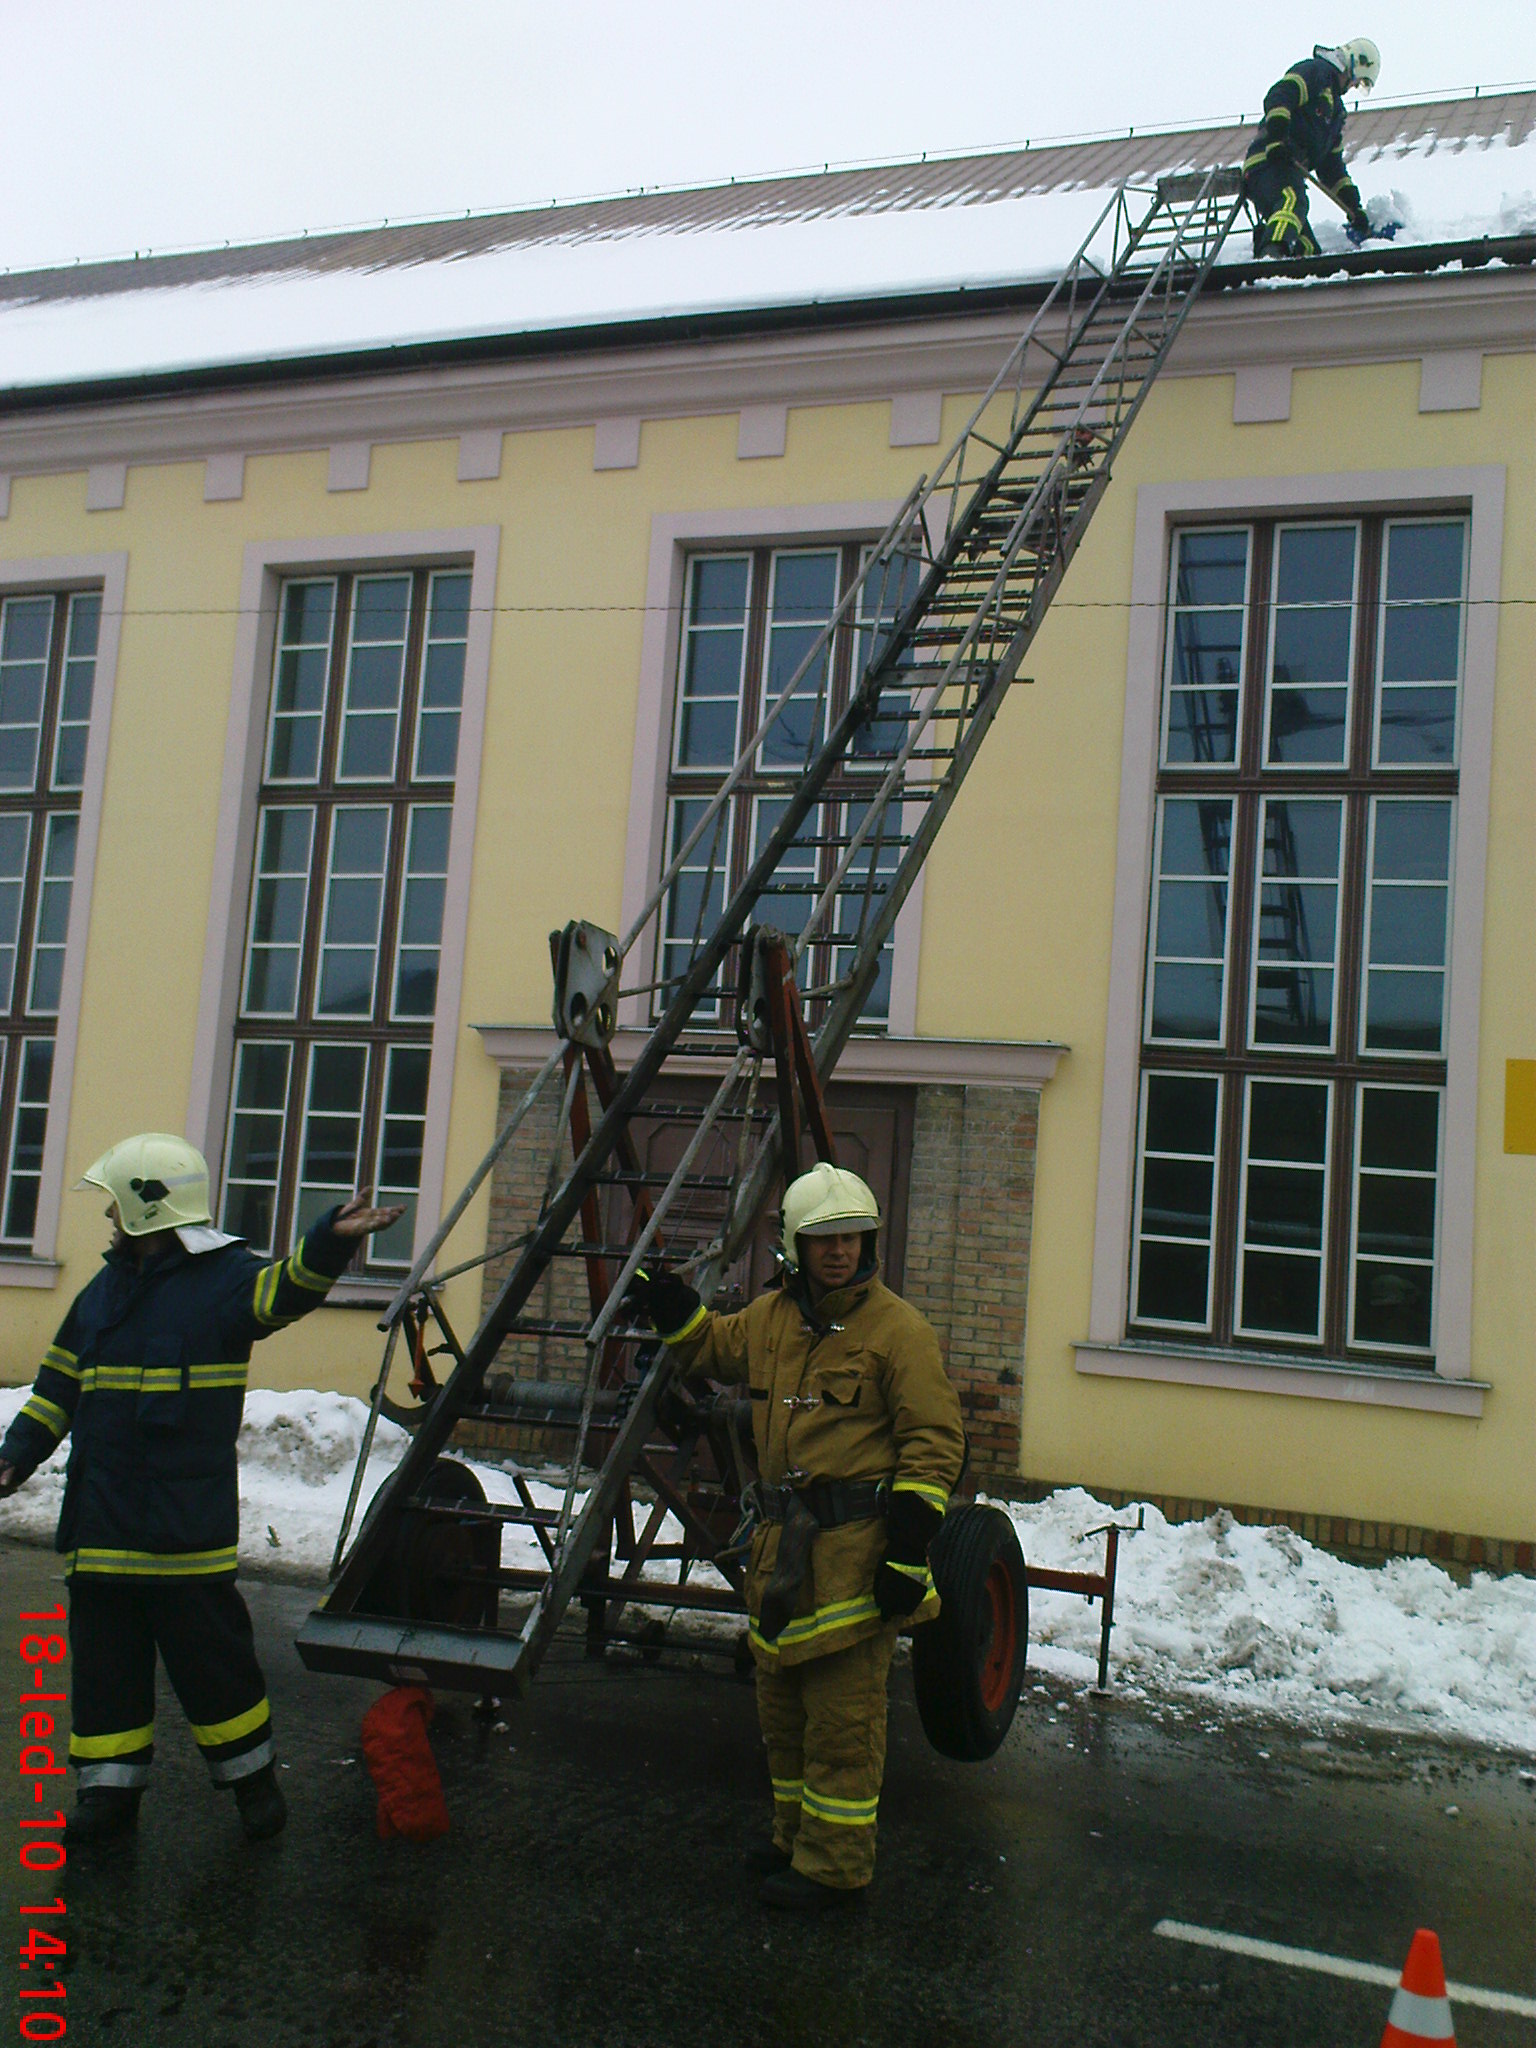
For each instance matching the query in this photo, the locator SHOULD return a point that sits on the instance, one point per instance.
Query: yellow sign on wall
(1520, 1105)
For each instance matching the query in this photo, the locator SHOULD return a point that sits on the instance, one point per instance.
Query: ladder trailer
(760, 987)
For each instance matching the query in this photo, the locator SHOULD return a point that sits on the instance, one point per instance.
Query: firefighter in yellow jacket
(859, 1442)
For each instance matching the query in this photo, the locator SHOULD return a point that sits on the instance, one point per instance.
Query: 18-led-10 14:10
(43, 1947)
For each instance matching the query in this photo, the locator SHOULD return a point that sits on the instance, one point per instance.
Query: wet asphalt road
(590, 1893)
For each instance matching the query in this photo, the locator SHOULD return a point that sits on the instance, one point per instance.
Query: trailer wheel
(417, 1580)
(968, 1665)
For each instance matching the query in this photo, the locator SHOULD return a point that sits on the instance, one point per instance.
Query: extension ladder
(940, 618)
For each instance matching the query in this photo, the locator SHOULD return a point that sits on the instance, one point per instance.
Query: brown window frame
(1357, 783)
(20, 1027)
(846, 786)
(324, 795)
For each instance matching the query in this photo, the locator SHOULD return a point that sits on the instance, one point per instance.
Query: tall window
(749, 620)
(339, 982)
(1294, 1025)
(47, 678)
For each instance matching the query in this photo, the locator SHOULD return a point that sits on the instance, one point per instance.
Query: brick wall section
(518, 1183)
(969, 1219)
(1365, 1542)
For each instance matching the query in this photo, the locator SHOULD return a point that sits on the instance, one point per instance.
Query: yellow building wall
(1034, 831)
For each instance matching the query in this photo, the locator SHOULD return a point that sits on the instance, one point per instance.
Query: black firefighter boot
(101, 1813)
(263, 1809)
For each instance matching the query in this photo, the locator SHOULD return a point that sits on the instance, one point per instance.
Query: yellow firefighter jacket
(858, 1393)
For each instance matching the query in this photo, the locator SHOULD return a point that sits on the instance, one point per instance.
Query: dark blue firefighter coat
(1304, 115)
(147, 1376)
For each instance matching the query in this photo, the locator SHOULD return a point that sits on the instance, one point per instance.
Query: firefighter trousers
(824, 1726)
(203, 1633)
(1277, 190)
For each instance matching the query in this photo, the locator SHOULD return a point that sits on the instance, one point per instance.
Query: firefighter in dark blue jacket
(1302, 138)
(147, 1377)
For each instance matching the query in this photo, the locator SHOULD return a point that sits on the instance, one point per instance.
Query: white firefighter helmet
(829, 1201)
(1359, 60)
(158, 1182)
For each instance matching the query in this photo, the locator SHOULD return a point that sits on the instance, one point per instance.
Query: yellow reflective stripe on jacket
(936, 1496)
(210, 1734)
(786, 1791)
(842, 1813)
(824, 1621)
(62, 1361)
(208, 1376)
(48, 1413)
(699, 1317)
(265, 1295)
(1301, 88)
(920, 1572)
(159, 1379)
(92, 1748)
(152, 1564)
(303, 1276)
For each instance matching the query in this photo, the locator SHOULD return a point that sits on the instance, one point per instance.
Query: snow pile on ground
(1217, 1612)
(1258, 1618)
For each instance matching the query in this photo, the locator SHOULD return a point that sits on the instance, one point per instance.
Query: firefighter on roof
(147, 1378)
(859, 1442)
(1301, 138)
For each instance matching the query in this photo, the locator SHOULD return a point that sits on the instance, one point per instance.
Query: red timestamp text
(42, 1949)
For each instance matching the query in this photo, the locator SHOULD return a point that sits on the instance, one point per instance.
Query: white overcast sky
(171, 122)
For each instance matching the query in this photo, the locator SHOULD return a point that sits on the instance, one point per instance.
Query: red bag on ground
(402, 1766)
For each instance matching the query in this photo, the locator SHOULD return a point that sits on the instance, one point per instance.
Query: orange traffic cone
(1421, 2012)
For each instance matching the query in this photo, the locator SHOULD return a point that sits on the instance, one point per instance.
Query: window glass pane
(51, 928)
(697, 896)
(1285, 1186)
(1313, 637)
(398, 1175)
(26, 633)
(1189, 920)
(15, 837)
(354, 904)
(1396, 1195)
(714, 647)
(370, 719)
(258, 1114)
(301, 664)
(860, 899)
(333, 1122)
(1421, 633)
(421, 911)
(77, 689)
(1297, 922)
(1407, 918)
(283, 843)
(1172, 1255)
(442, 678)
(29, 1128)
(1212, 569)
(883, 596)
(1205, 647)
(804, 596)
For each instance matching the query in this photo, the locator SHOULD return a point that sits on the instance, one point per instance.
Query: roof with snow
(1459, 173)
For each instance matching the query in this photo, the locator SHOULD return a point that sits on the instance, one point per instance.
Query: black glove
(665, 1300)
(902, 1581)
(1360, 230)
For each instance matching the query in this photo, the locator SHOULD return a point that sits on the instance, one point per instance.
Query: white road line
(1336, 1966)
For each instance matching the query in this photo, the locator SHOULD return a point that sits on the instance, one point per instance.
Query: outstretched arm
(271, 1296)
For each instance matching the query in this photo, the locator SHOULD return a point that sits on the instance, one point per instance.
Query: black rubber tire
(968, 1665)
(410, 1582)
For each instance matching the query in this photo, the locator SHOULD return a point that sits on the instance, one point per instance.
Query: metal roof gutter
(733, 323)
